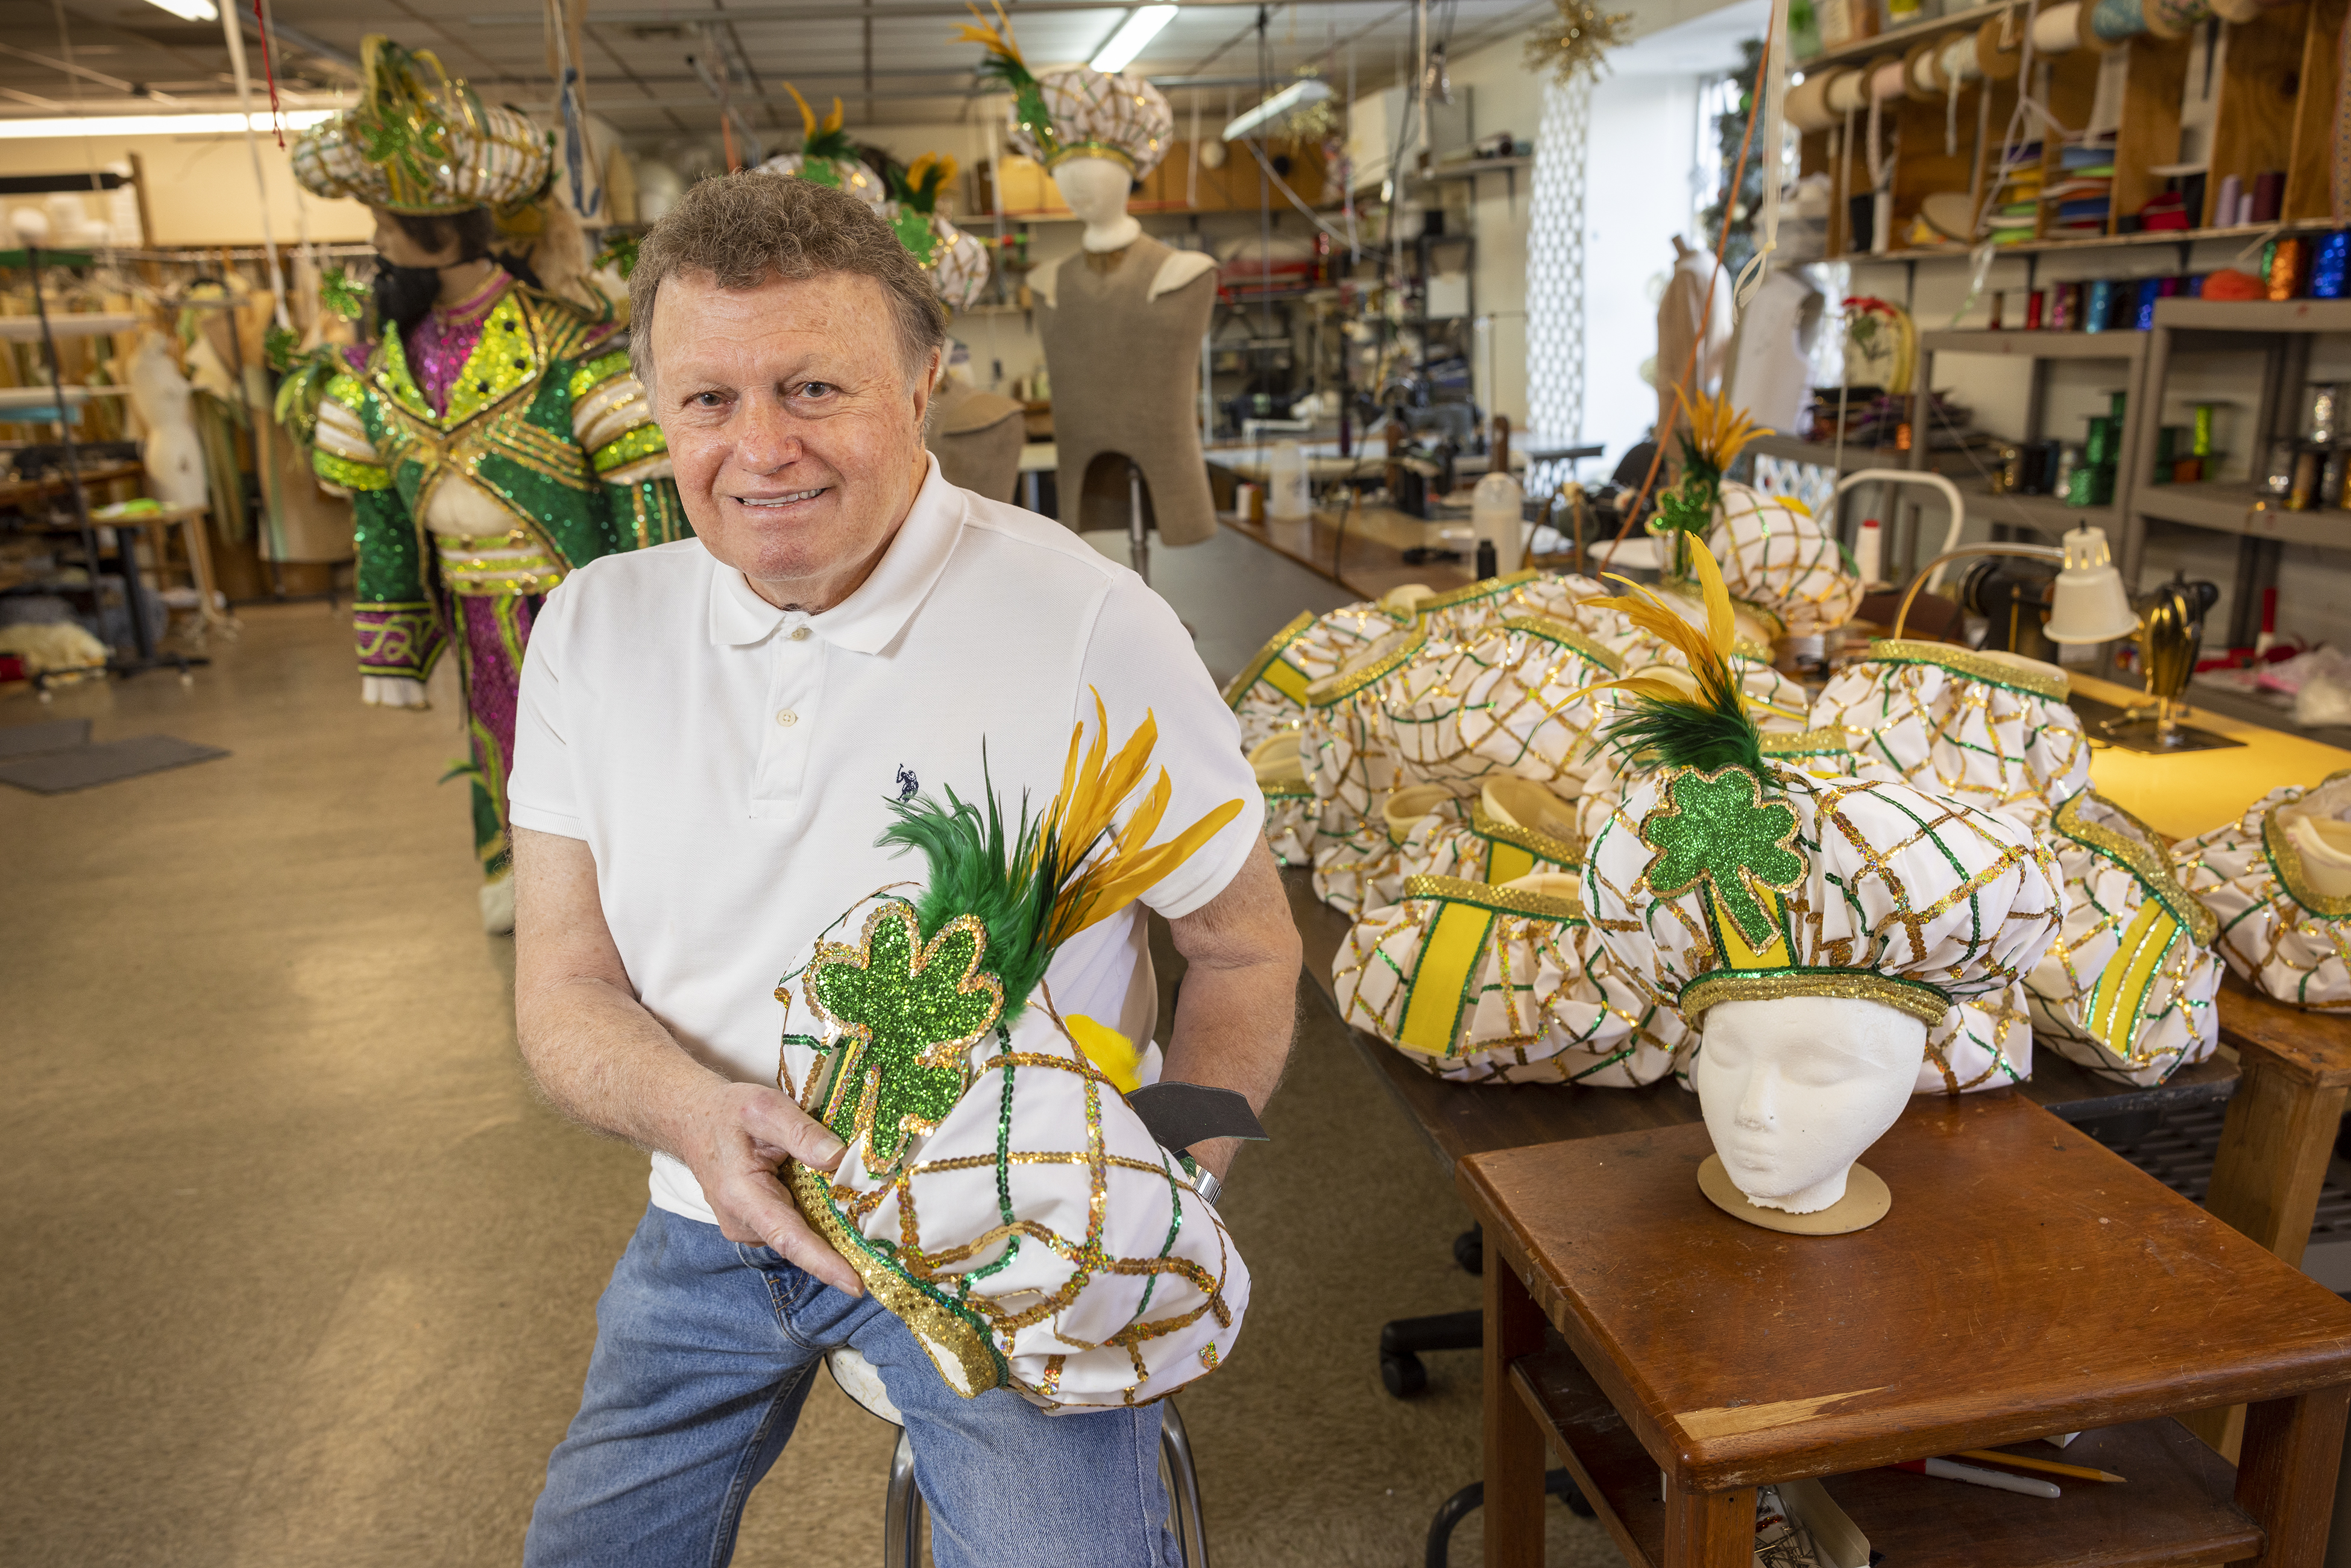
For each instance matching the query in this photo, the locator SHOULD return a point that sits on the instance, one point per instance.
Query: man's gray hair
(747, 227)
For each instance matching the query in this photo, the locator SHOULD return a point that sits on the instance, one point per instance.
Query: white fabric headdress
(1776, 555)
(2279, 882)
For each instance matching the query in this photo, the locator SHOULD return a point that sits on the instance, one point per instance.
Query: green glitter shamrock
(1716, 828)
(913, 231)
(909, 1014)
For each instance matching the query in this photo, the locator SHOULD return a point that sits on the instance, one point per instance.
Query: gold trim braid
(1829, 739)
(1920, 1000)
(1501, 900)
(1540, 845)
(2286, 861)
(1346, 683)
(1254, 671)
(2138, 857)
(1969, 663)
(936, 1326)
(1469, 594)
(1567, 637)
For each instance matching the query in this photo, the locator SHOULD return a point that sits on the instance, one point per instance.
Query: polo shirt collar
(869, 620)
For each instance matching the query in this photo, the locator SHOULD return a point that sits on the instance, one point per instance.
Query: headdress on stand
(999, 1194)
(1075, 113)
(1991, 730)
(2262, 878)
(956, 263)
(2127, 990)
(827, 156)
(1727, 876)
(421, 142)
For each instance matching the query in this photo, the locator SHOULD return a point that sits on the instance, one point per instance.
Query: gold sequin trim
(645, 441)
(1829, 739)
(2286, 861)
(1347, 682)
(1567, 637)
(600, 369)
(1485, 588)
(1501, 900)
(1973, 666)
(1256, 668)
(351, 475)
(2141, 857)
(936, 1326)
(1919, 1000)
(1540, 845)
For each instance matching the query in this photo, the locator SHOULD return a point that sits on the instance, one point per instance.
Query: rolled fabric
(2174, 18)
(1848, 91)
(2114, 23)
(1886, 81)
(1990, 730)
(2276, 882)
(1289, 798)
(2057, 30)
(1484, 984)
(1956, 60)
(1919, 84)
(1808, 103)
(2000, 50)
(2126, 989)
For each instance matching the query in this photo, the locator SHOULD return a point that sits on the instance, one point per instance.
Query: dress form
(1127, 303)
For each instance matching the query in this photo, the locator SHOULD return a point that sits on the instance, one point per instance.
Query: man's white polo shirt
(729, 763)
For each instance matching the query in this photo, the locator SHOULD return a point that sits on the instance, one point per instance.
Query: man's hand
(733, 1140)
(606, 1062)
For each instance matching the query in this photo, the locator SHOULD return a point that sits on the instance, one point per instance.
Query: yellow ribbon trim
(2119, 993)
(1737, 952)
(1449, 952)
(1266, 658)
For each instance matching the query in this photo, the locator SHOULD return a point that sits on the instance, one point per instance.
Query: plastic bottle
(1497, 512)
(1289, 490)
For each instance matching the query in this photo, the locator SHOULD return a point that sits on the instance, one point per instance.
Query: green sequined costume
(543, 457)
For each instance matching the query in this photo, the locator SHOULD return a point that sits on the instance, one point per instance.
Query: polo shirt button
(799, 634)
(787, 717)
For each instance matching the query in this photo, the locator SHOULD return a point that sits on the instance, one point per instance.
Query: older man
(710, 735)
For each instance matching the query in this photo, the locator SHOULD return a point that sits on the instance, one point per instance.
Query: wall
(200, 189)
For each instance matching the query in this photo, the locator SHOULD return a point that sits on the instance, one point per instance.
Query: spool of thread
(2058, 29)
(1919, 83)
(1999, 48)
(1848, 91)
(2174, 18)
(1886, 81)
(1956, 60)
(1808, 103)
(2269, 195)
(2224, 207)
(2114, 23)
(2098, 303)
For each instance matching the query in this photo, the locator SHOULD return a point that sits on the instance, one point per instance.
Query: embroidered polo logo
(907, 783)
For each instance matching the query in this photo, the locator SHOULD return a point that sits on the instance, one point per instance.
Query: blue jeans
(705, 1351)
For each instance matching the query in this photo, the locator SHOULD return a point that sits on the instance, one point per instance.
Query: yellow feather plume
(997, 40)
(833, 121)
(1719, 431)
(1708, 651)
(1098, 868)
(808, 115)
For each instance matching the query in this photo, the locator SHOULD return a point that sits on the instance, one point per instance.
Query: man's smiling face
(794, 427)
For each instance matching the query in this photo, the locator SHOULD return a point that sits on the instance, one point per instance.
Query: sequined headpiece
(827, 156)
(423, 141)
(2277, 928)
(1076, 113)
(956, 263)
(1725, 875)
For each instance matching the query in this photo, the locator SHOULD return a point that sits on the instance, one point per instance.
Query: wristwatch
(1205, 1182)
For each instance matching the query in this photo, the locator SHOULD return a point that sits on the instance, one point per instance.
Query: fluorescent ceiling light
(192, 10)
(158, 124)
(1297, 95)
(1141, 26)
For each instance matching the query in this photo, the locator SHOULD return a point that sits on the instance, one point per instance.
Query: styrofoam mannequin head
(1795, 1088)
(1096, 190)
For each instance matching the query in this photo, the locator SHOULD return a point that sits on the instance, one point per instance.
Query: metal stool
(902, 1517)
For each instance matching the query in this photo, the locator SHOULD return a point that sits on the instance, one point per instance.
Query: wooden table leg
(1514, 1443)
(2274, 1146)
(1710, 1530)
(2293, 1449)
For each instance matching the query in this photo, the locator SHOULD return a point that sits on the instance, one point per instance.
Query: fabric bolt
(2127, 988)
(1036, 1237)
(1726, 886)
(672, 717)
(705, 1350)
(1483, 984)
(1776, 556)
(2284, 913)
(1101, 323)
(1993, 730)
(536, 456)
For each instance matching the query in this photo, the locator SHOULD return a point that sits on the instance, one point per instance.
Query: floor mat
(49, 734)
(79, 766)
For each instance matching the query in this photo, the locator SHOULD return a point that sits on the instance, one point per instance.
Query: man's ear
(927, 384)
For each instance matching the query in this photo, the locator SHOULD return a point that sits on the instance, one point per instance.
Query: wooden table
(2027, 1281)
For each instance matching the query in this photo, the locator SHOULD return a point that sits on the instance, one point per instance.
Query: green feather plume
(1665, 724)
(979, 868)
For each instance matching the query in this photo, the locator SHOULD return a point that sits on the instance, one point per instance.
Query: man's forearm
(607, 1063)
(1239, 1006)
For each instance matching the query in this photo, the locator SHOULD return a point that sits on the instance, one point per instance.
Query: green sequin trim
(1499, 900)
(597, 371)
(645, 441)
(2138, 855)
(1717, 829)
(1973, 666)
(348, 390)
(350, 475)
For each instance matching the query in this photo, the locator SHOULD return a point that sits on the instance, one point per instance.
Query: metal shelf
(1822, 454)
(2241, 508)
(2037, 345)
(2255, 315)
(1896, 39)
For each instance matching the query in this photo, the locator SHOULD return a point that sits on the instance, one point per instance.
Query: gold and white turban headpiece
(1777, 556)
(1991, 730)
(2126, 989)
(1349, 757)
(1484, 984)
(1075, 113)
(421, 142)
(2279, 882)
(827, 157)
(1270, 692)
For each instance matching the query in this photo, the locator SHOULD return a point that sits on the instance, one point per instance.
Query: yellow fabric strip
(1289, 680)
(1506, 863)
(1449, 952)
(2120, 990)
(1735, 951)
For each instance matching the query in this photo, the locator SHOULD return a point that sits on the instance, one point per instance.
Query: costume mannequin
(169, 446)
(492, 443)
(1126, 300)
(1794, 1090)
